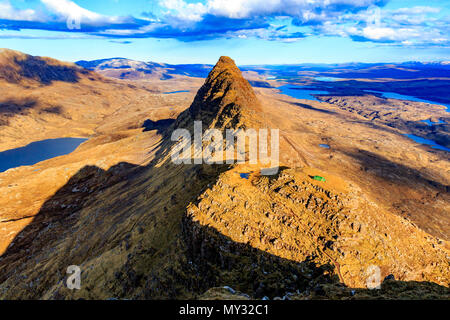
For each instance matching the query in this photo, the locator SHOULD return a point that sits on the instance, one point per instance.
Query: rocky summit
(225, 101)
(141, 227)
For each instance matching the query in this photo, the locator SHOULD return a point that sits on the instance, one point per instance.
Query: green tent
(319, 178)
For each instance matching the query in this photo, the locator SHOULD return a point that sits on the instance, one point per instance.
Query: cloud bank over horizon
(272, 20)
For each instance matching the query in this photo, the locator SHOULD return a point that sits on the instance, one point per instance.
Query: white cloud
(296, 8)
(242, 9)
(408, 26)
(66, 8)
(416, 10)
(185, 11)
(361, 20)
(387, 34)
(8, 12)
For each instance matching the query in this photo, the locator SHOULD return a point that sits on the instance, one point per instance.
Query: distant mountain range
(123, 68)
(131, 69)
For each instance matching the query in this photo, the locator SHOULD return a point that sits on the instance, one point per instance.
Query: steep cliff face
(160, 230)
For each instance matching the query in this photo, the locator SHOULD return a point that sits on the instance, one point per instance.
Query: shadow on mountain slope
(36, 68)
(59, 214)
(129, 230)
(392, 171)
(17, 66)
(416, 195)
(90, 216)
(158, 125)
(133, 238)
(11, 107)
(390, 289)
(308, 107)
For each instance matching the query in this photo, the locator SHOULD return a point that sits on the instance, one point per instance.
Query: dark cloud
(121, 42)
(62, 26)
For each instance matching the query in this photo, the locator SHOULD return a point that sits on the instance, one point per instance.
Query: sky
(250, 31)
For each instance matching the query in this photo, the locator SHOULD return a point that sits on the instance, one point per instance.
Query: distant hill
(122, 68)
(44, 98)
(17, 67)
(406, 70)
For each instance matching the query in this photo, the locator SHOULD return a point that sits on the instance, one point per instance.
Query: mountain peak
(226, 63)
(226, 59)
(226, 99)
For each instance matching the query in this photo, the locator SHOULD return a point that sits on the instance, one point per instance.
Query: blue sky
(250, 31)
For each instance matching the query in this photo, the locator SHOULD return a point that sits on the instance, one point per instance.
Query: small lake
(326, 79)
(431, 123)
(244, 175)
(179, 91)
(38, 151)
(430, 143)
(393, 95)
(299, 92)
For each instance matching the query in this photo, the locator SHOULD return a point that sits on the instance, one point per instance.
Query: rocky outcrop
(226, 100)
(298, 220)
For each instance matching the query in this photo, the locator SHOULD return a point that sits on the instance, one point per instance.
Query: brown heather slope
(400, 114)
(18, 67)
(42, 98)
(151, 229)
